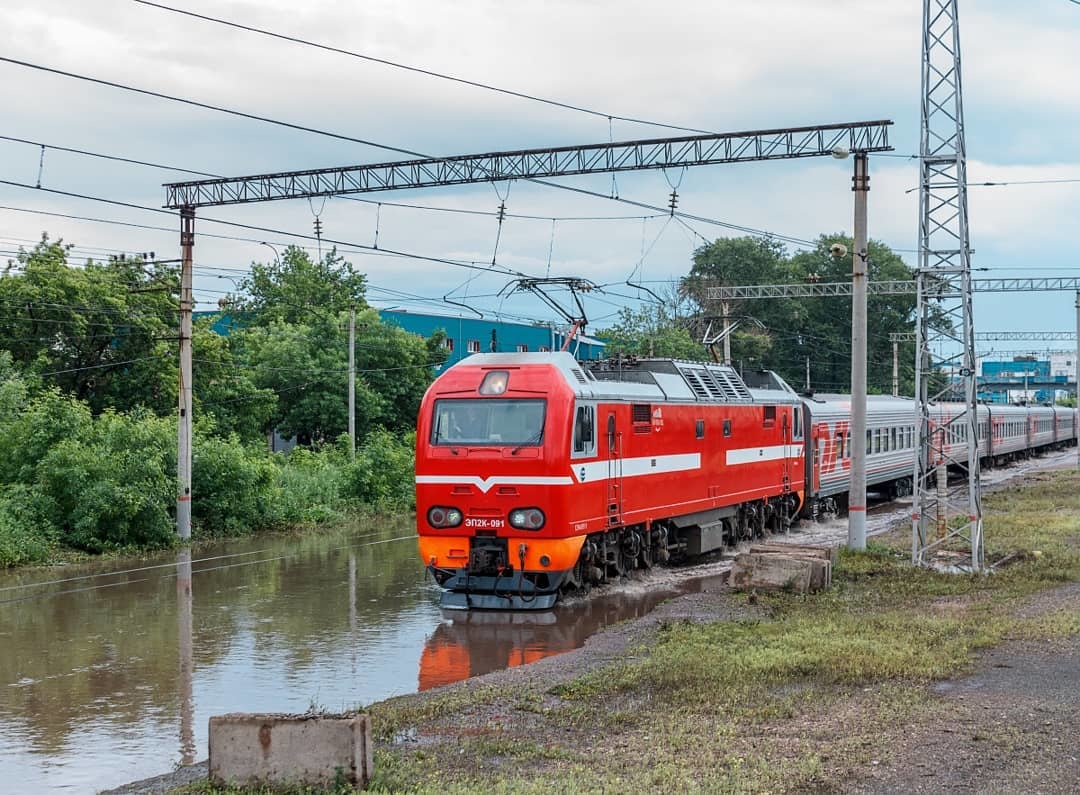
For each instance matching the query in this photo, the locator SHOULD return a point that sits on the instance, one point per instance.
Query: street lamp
(277, 259)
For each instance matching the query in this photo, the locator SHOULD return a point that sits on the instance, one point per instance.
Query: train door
(796, 448)
(614, 491)
(785, 438)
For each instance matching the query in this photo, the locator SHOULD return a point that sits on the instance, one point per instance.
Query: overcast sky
(715, 65)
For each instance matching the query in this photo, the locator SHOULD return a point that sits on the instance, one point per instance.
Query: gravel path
(1013, 726)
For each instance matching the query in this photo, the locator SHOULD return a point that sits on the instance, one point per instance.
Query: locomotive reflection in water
(475, 642)
(536, 475)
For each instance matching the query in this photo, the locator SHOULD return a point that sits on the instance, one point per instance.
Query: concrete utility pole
(725, 310)
(895, 368)
(183, 433)
(857, 495)
(352, 380)
(1076, 379)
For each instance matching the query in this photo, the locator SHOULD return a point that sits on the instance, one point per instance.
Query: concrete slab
(278, 749)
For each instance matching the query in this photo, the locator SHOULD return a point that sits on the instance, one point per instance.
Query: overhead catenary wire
(471, 265)
(378, 203)
(388, 147)
(419, 70)
(238, 225)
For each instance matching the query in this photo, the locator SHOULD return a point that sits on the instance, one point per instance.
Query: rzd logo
(835, 455)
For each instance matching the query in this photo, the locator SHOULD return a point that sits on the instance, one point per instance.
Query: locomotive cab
(490, 521)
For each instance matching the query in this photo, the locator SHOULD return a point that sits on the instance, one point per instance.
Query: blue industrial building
(466, 335)
(1026, 379)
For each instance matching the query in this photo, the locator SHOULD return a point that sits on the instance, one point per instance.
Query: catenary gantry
(427, 172)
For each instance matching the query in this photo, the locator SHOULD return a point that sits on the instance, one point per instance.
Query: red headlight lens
(442, 516)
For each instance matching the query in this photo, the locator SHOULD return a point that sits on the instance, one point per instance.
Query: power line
(208, 106)
(418, 70)
(346, 248)
(1023, 181)
(384, 251)
(413, 153)
(98, 366)
(471, 265)
(106, 157)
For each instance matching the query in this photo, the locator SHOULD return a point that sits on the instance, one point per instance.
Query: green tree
(650, 330)
(306, 366)
(294, 289)
(225, 392)
(821, 327)
(113, 485)
(733, 262)
(98, 331)
(294, 340)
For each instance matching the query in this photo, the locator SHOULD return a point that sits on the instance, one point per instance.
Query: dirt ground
(1012, 726)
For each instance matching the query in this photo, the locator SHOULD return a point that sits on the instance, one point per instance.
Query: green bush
(382, 473)
(311, 486)
(113, 485)
(26, 534)
(233, 488)
(27, 436)
(109, 483)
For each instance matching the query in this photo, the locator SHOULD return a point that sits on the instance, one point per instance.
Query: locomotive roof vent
(714, 382)
(579, 375)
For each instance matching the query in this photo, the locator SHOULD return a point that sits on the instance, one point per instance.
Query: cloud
(710, 65)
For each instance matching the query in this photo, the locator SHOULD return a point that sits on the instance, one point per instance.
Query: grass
(793, 702)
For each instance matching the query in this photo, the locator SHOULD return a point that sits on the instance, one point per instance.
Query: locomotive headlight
(441, 516)
(495, 382)
(526, 518)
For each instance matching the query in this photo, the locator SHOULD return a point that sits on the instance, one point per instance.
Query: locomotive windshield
(488, 422)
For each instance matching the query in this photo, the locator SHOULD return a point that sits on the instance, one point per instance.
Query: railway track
(883, 517)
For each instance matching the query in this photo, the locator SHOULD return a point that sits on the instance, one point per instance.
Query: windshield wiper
(532, 440)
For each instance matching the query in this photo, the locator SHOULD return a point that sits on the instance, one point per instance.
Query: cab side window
(584, 431)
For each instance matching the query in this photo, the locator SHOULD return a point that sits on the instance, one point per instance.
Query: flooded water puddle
(110, 671)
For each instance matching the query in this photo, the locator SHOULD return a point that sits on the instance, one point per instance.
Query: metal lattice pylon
(944, 322)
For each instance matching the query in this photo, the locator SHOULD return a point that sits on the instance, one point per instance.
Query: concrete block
(830, 553)
(276, 749)
(775, 572)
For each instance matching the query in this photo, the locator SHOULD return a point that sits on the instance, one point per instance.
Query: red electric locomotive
(536, 475)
